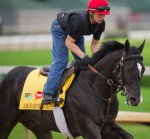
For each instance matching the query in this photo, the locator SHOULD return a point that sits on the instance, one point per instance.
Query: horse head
(129, 72)
(126, 64)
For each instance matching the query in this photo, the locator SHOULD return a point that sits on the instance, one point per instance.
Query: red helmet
(99, 6)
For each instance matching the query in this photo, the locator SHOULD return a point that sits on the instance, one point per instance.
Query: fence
(133, 117)
(6, 69)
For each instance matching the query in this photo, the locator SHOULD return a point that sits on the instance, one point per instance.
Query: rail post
(27, 134)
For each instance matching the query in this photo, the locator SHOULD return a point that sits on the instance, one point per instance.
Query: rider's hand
(86, 60)
(83, 64)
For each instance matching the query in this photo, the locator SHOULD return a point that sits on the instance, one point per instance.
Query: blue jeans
(60, 55)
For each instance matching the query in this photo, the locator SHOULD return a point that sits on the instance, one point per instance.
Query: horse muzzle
(134, 100)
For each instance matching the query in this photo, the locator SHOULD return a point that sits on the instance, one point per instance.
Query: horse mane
(106, 47)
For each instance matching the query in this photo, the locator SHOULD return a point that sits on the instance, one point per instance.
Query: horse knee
(114, 131)
(107, 133)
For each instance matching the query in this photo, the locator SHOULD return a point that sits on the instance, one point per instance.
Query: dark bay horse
(91, 104)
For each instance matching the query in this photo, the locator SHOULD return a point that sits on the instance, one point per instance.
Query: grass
(26, 57)
(43, 57)
(138, 131)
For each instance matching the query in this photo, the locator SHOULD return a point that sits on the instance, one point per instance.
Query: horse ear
(127, 47)
(141, 46)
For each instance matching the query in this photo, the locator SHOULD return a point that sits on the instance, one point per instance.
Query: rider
(68, 32)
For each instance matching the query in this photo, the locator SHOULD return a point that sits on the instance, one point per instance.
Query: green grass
(138, 131)
(26, 57)
(43, 57)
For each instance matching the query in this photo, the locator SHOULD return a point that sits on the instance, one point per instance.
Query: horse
(91, 104)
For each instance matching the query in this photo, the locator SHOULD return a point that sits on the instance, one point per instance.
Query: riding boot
(47, 98)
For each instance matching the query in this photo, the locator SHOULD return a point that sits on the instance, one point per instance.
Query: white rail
(24, 42)
(6, 69)
(133, 117)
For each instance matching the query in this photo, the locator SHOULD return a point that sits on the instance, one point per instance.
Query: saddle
(68, 72)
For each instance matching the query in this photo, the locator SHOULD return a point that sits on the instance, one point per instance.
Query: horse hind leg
(8, 120)
(5, 131)
(8, 117)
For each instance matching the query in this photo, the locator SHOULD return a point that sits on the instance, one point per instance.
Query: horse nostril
(134, 100)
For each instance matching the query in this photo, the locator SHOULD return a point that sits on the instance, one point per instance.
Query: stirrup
(56, 101)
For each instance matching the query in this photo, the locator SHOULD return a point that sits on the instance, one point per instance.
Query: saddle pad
(31, 97)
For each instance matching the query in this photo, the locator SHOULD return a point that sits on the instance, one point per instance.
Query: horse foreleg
(114, 131)
(88, 129)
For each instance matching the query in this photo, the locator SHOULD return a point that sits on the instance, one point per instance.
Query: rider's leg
(59, 62)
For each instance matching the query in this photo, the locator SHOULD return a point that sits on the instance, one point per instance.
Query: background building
(35, 16)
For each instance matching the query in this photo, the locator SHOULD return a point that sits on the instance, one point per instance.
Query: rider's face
(98, 17)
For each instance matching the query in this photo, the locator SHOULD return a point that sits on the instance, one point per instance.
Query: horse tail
(3, 109)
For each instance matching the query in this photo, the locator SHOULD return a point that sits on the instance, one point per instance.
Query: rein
(110, 100)
(109, 81)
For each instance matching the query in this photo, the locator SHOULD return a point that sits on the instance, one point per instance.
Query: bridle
(119, 79)
(120, 69)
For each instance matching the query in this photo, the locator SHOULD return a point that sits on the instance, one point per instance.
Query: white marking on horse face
(141, 99)
(139, 68)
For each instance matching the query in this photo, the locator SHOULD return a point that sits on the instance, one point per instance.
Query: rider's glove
(83, 64)
(86, 60)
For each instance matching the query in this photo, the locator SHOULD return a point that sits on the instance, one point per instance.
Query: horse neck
(97, 84)
(107, 65)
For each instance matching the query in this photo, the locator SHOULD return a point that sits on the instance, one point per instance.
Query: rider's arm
(94, 46)
(70, 43)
